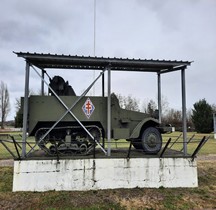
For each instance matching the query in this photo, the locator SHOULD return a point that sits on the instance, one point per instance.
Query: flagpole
(94, 41)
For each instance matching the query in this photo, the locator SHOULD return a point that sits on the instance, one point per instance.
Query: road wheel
(151, 140)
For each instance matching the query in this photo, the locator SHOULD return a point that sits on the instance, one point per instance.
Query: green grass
(208, 148)
(202, 197)
(4, 154)
(6, 177)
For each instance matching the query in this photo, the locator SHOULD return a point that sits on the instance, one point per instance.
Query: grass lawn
(202, 197)
(208, 148)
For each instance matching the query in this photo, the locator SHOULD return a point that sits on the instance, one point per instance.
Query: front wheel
(151, 140)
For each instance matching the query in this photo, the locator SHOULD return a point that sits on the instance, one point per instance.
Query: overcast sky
(146, 29)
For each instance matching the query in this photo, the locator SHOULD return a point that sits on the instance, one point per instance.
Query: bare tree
(17, 104)
(148, 106)
(19, 115)
(151, 107)
(128, 102)
(190, 124)
(4, 103)
(164, 105)
(131, 103)
(173, 117)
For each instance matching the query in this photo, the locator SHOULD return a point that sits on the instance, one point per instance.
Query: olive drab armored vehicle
(68, 137)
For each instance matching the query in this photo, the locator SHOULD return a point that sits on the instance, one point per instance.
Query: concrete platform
(103, 173)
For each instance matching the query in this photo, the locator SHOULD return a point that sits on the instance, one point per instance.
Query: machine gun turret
(61, 87)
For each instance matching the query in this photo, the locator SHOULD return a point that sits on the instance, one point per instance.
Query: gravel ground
(9, 162)
(206, 157)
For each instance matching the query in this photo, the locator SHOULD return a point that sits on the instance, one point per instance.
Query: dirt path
(8, 162)
(206, 157)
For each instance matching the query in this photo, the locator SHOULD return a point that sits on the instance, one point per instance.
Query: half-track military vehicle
(68, 137)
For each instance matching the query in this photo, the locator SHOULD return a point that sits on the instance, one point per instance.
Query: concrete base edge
(94, 174)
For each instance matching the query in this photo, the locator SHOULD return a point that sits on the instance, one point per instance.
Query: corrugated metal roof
(55, 61)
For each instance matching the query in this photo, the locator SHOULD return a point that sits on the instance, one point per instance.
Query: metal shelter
(54, 61)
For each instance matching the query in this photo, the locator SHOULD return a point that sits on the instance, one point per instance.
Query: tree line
(199, 119)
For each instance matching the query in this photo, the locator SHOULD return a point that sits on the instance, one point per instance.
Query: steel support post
(25, 111)
(159, 97)
(184, 116)
(103, 92)
(42, 82)
(109, 111)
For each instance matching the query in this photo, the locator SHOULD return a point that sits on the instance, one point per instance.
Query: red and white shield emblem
(88, 108)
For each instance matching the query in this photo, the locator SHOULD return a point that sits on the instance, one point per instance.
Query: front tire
(151, 140)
